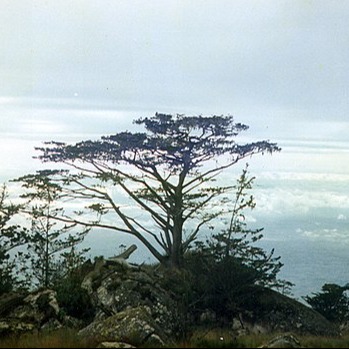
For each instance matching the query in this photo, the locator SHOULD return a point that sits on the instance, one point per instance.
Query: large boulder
(283, 341)
(269, 311)
(116, 286)
(22, 313)
(134, 326)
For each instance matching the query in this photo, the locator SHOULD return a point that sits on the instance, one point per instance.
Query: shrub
(332, 302)
(73, 298)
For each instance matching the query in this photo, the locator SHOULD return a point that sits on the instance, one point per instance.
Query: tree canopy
(332, 302)
(168, 171)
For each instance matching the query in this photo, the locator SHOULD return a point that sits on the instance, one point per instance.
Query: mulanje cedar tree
(168, 171)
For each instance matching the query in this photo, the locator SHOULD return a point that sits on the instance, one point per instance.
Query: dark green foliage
(332, 302)
(6, 276)
(11, 237)
(51, 247)
(72, 298)
(219, 286)
(225, 268)
(239, 242)
(168, 172)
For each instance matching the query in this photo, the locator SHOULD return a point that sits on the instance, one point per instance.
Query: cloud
(309, 177)
(342, 217)
(181, 54)
(330, 235)
(297, 202)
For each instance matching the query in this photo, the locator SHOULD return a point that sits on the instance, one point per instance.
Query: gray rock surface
(271, 312)
(134, 326)
(34, 311)
(283, 341)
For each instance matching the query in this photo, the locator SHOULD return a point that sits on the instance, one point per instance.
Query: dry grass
(55, 339)
(216, 338)
(325, 342)
(219, 338)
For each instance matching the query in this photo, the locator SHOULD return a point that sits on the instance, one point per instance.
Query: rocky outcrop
(131, 306)
(110, 345)
(283, 341)
(124, 291)
(268, 311)
(22, 313)
(134, 326)
(138, 305)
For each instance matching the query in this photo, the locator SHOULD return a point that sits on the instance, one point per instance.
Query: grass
(54, 339)
(217, 338)
(325, 342)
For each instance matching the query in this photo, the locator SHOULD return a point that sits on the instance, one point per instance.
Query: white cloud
(304, 176)
(342, 217)
(297, 201)
(326, 235)
(231, 54)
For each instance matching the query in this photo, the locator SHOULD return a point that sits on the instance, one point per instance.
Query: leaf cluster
(332, 302)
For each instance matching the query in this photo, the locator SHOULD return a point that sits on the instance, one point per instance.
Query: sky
(74, 70)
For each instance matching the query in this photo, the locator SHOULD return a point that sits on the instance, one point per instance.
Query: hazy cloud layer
(286, 58)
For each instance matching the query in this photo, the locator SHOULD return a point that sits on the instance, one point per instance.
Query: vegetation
(72, 298)
(215, 338)
(332, 302)
(11, 236)
(221, 273)
(51, 249)
(168, 172)
(64, 338)
(236, 244)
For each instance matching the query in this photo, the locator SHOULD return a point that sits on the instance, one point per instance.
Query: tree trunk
(176, 257)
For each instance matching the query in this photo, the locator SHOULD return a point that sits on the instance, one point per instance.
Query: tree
(332, 302)
(168, 171)
(51, 248)
(228, 265)
(237, 241)
(11, 236)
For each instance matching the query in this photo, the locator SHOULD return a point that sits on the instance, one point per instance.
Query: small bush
(73, 299)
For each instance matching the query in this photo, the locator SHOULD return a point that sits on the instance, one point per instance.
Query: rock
(114, 345)
(208, 316)
(10, 301)
(114, 288)
(10, 326)
(344, 328)
(134, 326)
(269, 311)
(283, 341)
(38, 307)
(242, 328)
(72, 322)
(34, 311)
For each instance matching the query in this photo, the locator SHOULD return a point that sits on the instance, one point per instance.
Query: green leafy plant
(12, 236)
(332, 302)
(226, 267)
(51, 245)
